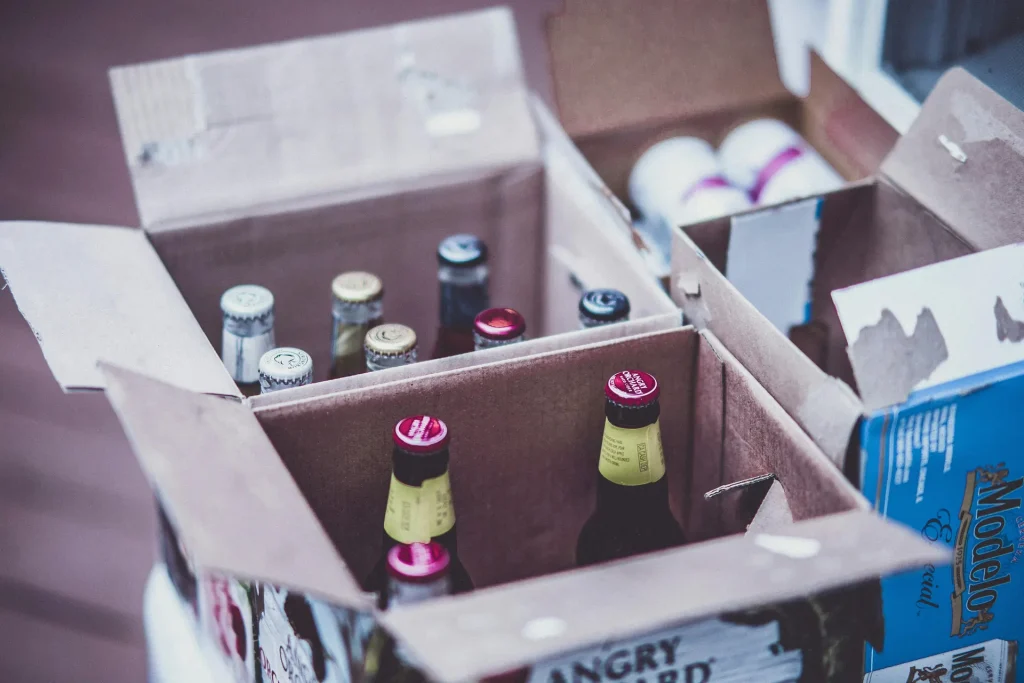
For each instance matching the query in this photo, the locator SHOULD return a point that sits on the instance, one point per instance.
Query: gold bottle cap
(390, 340)
(357, 287)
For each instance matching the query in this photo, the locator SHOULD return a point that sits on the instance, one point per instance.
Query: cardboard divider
(523, 453)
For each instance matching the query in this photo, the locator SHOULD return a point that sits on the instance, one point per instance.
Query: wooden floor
(76, 515)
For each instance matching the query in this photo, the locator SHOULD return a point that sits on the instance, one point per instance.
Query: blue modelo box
(948, 460)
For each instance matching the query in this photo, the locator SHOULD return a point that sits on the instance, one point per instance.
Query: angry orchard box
(939, 360)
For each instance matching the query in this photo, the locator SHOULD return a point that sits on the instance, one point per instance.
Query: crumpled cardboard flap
(490, 631)
(619, 64)
(96, 293)
(235, 506)
(963, 159)
(295, 124)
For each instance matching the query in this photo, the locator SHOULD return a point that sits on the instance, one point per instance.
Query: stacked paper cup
(676, 182)
(772, 163)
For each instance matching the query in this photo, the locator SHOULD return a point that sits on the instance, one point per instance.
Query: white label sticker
(709, 651)
(771, 260)
(988, 662)
(242, 355)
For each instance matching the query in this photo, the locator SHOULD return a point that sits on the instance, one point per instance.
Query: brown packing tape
(493, 631)
(225, 489)
(963, 159)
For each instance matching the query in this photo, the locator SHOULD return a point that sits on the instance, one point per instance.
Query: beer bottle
(462, 274)
(632, 514)
(283, 368)
(603, 307)
(358, 307)
(248, 333)
(497, 327)
(419, 507)
(389, 346)
(416, 572)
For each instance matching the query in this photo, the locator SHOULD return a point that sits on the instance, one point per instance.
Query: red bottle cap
(421, 434)
(499, 324)
(418, 561)
(634, 388)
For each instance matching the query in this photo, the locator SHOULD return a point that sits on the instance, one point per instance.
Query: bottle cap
(247, 302)
(285, 367)
(499, 324)
(421, 434)
(633, 388)
(462, 250)
(604, 305)
(390, 340)
(357, 287)
(418, 562)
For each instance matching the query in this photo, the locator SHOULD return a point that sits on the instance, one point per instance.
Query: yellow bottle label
(348, 339)
(632, 457)
(415, 514)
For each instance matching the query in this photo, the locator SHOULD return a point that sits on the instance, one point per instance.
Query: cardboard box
(627, 75)
(938, 357)
(291, 493)
(286, 164)
(947, 189)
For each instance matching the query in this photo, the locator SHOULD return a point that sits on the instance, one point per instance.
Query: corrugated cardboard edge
(94, 293)
(531, 347)
(496, 630)
(825, 407)
(223, 486)
(621, 64)
(963, 159)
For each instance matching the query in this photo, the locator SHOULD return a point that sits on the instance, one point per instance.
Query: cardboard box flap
(501, 629)
(233, 502)
(935, 325)
(825, 407)
(963, 159)
(620, 64)
(95, 293)
(293, 124)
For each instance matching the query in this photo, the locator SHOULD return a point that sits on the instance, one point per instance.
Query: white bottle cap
(665, 174)
(247, 302)
(285, 367)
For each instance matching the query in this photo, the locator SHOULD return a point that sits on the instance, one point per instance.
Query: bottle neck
(464, 293)
(419, 506)
(480, 342)
(632, 464)
(378, 361)
(362, 313)
(410, 593)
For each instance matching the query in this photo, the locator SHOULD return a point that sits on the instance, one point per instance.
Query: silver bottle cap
(283, 368)
(248, 310)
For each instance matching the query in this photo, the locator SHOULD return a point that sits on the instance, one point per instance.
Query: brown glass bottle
(357, 307)
(463, 277)
(247, 333)
(416, 572)
(632, 514)
(419, 507)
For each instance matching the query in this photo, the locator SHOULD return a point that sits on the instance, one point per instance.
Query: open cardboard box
(291, 493)
(627, 75)
(286, 164)
(950, 187)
